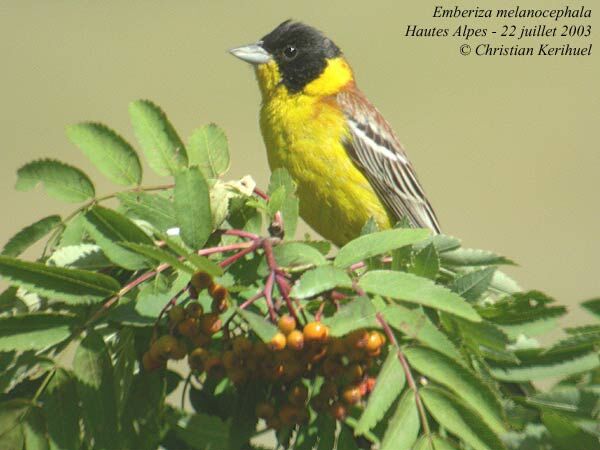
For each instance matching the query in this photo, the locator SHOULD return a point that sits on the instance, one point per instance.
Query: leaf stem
(407, 372)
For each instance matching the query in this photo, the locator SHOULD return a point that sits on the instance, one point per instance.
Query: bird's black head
(300, 51)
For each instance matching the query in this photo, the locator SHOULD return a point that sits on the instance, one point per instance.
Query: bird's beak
(253, 54)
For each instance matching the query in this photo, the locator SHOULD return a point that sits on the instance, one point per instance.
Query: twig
(269, 296)
(261, 194)
(224, 248)
(242, 234)
(233, 258)
(406, 368)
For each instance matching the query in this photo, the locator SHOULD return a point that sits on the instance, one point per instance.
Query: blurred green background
(508, 148)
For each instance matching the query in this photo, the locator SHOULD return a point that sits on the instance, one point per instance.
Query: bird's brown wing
(378, 154)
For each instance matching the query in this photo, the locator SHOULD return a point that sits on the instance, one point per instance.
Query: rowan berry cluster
(293, 355)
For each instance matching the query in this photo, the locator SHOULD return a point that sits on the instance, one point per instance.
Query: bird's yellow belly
(335, 198)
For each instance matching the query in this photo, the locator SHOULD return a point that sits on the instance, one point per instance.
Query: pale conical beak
(253, 54)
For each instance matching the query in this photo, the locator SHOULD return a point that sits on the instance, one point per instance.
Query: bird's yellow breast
(303, 133)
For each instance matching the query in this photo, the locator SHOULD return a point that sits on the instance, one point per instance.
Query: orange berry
(194, 309)
(218, 292)
(200, 340)
(290, 414)
(151, 363)
(338, 411)
(277, 342)
(210, 323)
(286, 324)
(374, 341)
(351, 394)
(176, 314)
(188, 327)
(354, 372)
(357, 340)
(298, 395)
(242, 345)
(265, 410)
(166, 347)
(295, 340)
(315, 332)
(201, 280)
(196, 359)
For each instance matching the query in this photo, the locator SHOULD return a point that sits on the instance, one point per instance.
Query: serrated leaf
(429, 442)
(73, 232)
(30, 235)
(592, 306)
(61, 408)
(158, 254)
(62, 181)
(459, 379)
(359, 312)
(203, 432)
(459, 420)
(34, 331)
(320, 279)
(108, 151)
(93, 371)
(282, 192)
(34, 431)
(416, 325)
(346, 439)
(374, 244)
(473, 257)
(566, 435)
(473, 284)
(71, 285)
(11, 417)
(389, 385)
(208, 149)
(81, 256)
(536, 366)
(441, 242)
(573, 401)
(164, 149)
(295, 254)
(326, 425)
(426, 262)
(410, 288)
(200, 262)
(192, 207)
(403, 428)
(155, 209)
(108, 228)
(264, 329)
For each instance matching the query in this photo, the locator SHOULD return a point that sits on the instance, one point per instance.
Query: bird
(348, 164)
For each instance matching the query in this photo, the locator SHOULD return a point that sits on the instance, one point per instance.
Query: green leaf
(459, 379)
(416, 325)
(34, 431)
(359, 312)
(592, 306)
(459, 420)
(192, 207)
(62, 181)
(320, 279)
(108, 228)
(295, 254)
(108, 151)
(374, 244)
(71, 285)
(155, 209)
(158, 254)
(11, 417)
(282, 185)
(81, 256)
(200, 262)
(432, 442)
(566, 434)
(208, 149)
(264, 329)
(410, 288)
(403, 428)
(346, 439)
(473, 284)
(30, 235)
(61, 408)
(34, 331)
(390, 383)
(326, 425)
(441, 242)
(473, 257)
(536, 366)
(576, 402)
(164, 149)
(95, 386)
(426, 262)
(203, 432)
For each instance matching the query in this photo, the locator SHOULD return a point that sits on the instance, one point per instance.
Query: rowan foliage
(191, 316)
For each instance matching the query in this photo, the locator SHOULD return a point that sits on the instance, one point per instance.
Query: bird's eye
(290, 52)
